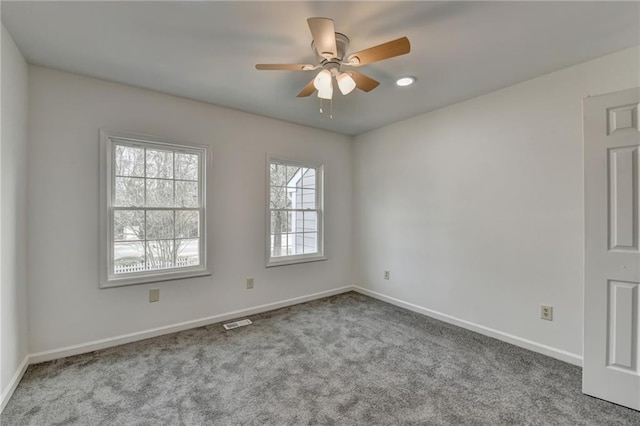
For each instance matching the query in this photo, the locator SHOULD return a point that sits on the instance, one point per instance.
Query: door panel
(612, 256)
(623, 198)
(623, 325)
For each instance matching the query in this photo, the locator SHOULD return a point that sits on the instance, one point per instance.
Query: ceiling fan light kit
(346, 83)
(322, 80)
(326, 92)
(330, 50)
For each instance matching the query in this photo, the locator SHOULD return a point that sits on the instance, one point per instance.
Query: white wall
(477, 208)
(13, 233)
(65, 305)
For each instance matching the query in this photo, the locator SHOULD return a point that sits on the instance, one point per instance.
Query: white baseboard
(13, 383)
(154, 332)
(514, 340)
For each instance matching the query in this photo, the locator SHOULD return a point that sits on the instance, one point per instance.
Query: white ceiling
(207, 50)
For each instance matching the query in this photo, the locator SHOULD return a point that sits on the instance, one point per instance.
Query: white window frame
(107, 277)
(298, 258)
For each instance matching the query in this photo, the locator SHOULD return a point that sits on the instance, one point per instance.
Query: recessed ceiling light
(405, 81)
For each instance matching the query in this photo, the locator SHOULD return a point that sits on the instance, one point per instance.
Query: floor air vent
(236, 324)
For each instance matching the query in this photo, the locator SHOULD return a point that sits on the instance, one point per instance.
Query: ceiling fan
(330, 49)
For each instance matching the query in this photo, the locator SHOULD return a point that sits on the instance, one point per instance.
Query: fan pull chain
(330, 108)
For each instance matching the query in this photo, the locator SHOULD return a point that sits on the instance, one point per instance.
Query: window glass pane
(290, 244)
(187, 224)
(188, 252)
(159, 164)
(129, 192)
(278, 245)
(186, 194)
(159, 224)
(295, 198)
(295, 221)
(300, 177)
(129, 161)
(309, 199)
(278, 222)
(160, 254)
(292, 175)
(128, 257)
(310, 242)
(128, 225)
(279, 198)
(291, 221)
(310, 222)
(278, 231)
(159, 193)
(186, 166)
(309, 178)
(278, 175)
(298, 243)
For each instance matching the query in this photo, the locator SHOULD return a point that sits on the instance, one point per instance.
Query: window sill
(292, 260)
(153, 278)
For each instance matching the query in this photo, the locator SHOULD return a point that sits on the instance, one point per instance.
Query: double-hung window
(153, 201)
(294, 212)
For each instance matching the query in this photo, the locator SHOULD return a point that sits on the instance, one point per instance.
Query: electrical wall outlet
(387, 274)
(249, 283)
(154, 295)
(546, 312)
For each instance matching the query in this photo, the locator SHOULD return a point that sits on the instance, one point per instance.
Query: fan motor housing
(342, 44)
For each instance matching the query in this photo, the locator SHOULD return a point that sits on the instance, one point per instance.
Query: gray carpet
(347, 360)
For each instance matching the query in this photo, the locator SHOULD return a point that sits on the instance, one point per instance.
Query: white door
(611, 367)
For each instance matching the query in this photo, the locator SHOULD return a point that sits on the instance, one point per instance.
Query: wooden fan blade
(363, 82)
(324, 36)
(382, 51)
(308, 89)
(292, 67)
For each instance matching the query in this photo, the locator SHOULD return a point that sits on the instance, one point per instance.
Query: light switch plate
(154, 295)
